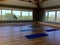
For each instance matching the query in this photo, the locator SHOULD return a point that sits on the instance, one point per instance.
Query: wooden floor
(12, 35)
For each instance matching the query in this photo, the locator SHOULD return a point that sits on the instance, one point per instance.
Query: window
(24, 15)
(58, 16)
(27, 15)
(0, 14)
(51, 16)
(46, 16)
(6, 14)
(16, 15)
(30, 16)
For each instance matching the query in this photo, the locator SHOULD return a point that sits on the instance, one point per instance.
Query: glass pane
(6, 14)
(51, 16)
(16, 15)
(58, 16)
(46, 14)
(0, 14)
(30, 16)
(24, 15)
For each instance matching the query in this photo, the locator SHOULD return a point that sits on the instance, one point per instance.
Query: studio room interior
(29, 22)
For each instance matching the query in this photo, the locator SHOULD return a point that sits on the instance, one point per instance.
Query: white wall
(18, 3)
(51, 3)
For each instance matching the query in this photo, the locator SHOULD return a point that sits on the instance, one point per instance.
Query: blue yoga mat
(36, 35)
(35, 26)
(49, 30)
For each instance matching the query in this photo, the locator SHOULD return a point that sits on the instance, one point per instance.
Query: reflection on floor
(12, 35)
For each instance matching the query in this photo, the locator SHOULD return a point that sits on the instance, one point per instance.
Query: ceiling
(50, 3)
(17, 3)
(27, 4)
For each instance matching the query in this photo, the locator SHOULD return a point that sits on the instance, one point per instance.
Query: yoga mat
(49, 30)
(36, 35)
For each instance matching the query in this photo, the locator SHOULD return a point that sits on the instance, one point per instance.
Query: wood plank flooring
(12, 35)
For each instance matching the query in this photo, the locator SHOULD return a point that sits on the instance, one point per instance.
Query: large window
(6, 14)
(58, 16)
(46, 16)
(30, 16)
(51, 16)
(0, 14)
(15, 15)
(27, 15)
